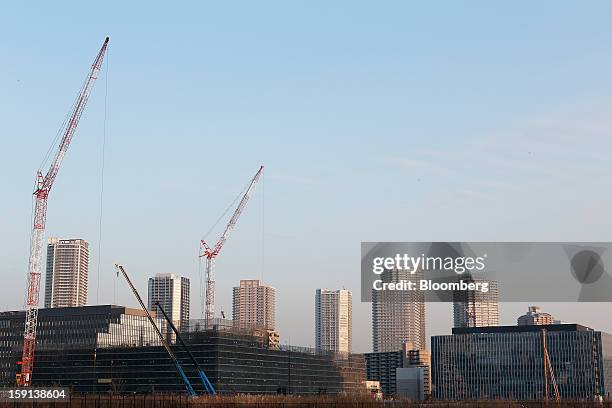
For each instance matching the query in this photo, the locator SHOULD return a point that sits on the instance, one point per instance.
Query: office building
(254, 303)
(67, 271)
(333, 320)
(63, 330)
(173, 294)
(506, 362)
(476, 308)
(398, 317)
(106, 349)
(535, 316)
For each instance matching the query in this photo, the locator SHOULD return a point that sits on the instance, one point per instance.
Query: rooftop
(79, 310)
(521, 329)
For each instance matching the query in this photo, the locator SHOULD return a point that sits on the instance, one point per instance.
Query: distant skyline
(398, 121)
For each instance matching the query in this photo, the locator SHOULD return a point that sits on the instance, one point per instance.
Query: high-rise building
(535, 317)
(334, 320)
(506, 362)
(172, 292)
(67, 273)
(398, 316)
(476, 308)
(254, 303)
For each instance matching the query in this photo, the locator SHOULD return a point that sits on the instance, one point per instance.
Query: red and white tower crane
(41, 194)
(211, 253)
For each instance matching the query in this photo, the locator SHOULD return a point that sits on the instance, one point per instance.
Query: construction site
(110, 349)
(154, 354)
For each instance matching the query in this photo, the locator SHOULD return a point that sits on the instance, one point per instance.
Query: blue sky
(385, 121)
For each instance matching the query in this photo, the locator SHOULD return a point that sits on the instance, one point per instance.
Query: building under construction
(114, 349)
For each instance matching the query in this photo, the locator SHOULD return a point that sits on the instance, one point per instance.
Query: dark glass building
(507, 362)
(60, 330)
(107, 349)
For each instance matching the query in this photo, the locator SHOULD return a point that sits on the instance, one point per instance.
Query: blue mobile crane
(205, 381)
(178, 367)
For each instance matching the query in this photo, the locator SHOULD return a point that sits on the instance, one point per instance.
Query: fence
(179, 401)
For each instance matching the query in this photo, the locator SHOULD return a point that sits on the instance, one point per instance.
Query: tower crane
(41, 194)
(211, 253)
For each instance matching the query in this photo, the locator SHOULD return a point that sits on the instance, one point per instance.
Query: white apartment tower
(172, 292)
(476, 308)
(67, 272)
(254, 303)
(398, 317)
(334, 320)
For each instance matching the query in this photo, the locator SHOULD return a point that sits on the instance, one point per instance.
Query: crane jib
(211, 254)
(24, 378)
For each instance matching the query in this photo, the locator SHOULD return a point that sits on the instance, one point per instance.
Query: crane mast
(41, 194)
(211, 253)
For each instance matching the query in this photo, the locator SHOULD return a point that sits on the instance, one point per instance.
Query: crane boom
(75, 117)
(208, 387)
(211, 253)
(177, 366)
(548, 368)
(41, 194)
(232, 222)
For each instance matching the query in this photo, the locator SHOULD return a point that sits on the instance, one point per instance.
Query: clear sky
(379, 121)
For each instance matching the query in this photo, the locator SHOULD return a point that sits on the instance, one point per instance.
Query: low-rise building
(411, 382)
(383, 367)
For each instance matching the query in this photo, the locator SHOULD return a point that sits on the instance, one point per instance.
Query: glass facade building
(107, 349)
(507, 362)
(72, 328)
